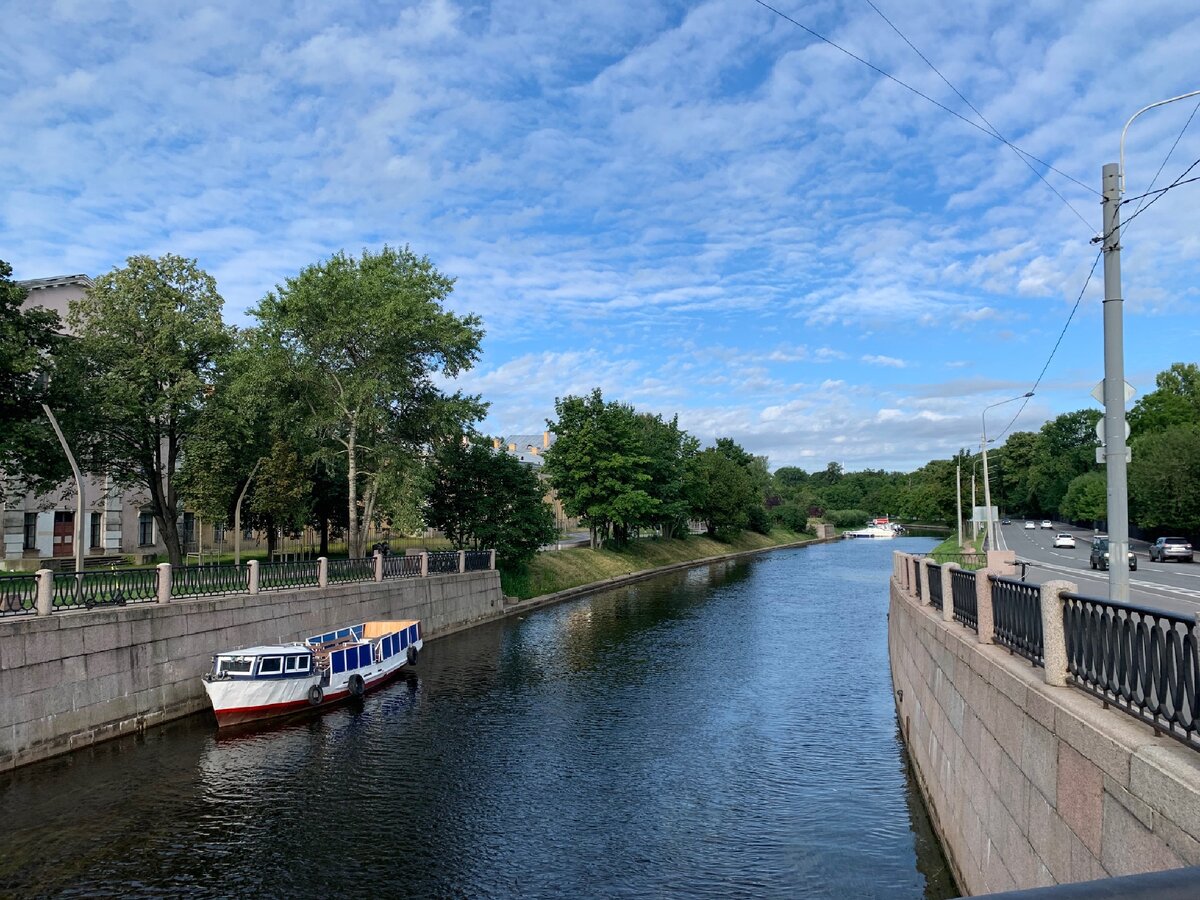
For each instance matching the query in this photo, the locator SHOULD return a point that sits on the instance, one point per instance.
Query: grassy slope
(562, 569)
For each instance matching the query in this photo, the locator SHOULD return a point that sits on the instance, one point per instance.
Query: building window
(145, 529)
(30, 531)
(97, 521)
(189, 528)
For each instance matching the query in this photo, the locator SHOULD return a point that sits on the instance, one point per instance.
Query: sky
(700, 208)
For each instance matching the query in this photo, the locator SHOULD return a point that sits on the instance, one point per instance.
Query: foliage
(722, 491)
(848, 518)
(757, 519)
(1164, 479)
(1086, 499)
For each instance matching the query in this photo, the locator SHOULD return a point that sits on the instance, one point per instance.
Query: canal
(727, 731)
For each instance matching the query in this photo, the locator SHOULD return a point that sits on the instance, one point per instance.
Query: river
(727, 731)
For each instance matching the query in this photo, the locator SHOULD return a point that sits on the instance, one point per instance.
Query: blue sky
(697, 207)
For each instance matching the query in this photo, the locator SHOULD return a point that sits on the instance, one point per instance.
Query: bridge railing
(965, 598)
(1017, 611)
(935, 585)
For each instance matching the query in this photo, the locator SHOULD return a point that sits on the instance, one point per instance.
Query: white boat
(879, 528)
(261, 682)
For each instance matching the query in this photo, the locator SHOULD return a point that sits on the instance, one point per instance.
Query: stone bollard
(1002, 563)
(462, 561)
(492, 560)
(323, 571)
(252, 576)
(424, 563)
(1054, 639)
(164, 582)
(948, 591)
(983, 606)
(45, 592)
(924, 562)
(378, 566)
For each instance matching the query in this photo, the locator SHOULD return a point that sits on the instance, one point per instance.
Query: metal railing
(359, 569)
(276, 576)
(966, 603)
(917, 579)
(116, 587)
(444, 563)
(402, 567)
(478, 560)
(1017, 618)
(935, 586)
(1142, 660)
(964, 560)
(18, 595)
(209, 581)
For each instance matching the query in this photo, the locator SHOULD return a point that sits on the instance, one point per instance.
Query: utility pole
(1114, 390)
(974, 506)
(958, 501)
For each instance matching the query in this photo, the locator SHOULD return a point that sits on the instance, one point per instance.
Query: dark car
(1166, 548)
(1099, 555)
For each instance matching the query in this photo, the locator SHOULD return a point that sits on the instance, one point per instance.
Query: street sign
(1100, 431)
(1102, 461)
(1098, 392)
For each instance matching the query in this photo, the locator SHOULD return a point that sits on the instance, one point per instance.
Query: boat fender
(412, 656)
(315, 695)
(357, 686)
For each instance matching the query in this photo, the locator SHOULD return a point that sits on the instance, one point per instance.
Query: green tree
(362, 342)
(1175, 401)
(722, 492)
(1164, 479)
(1066, 447)
(667, 448)
(148, 339)
(1086, 499)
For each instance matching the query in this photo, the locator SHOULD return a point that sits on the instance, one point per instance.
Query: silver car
(1166, 548)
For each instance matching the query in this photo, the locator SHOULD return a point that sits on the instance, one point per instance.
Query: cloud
(889, 361)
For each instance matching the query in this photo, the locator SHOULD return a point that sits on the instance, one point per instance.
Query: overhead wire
(1166, 158)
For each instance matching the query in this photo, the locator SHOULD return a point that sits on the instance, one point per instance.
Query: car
(1046, 523)
(1029, 525)
(1006, 522)
(1166, 548)
(1099, 555)
(1062, 539)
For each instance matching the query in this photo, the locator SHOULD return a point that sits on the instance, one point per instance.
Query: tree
(722, 492)
(1164, 479)
(361, 342)
(1175, 401)
(667, 449)
(1086, 499)
(486, 499)
(148, 338)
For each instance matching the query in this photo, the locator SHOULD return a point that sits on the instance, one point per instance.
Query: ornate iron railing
(917, 577)
(209, 581)
(444, 563)
(478, 560)
(18, 595)
(1144, 661)
(935, 586)
(115, 587)
(965, 560)
(276, 576)
(966, 603)
(359, 569)
(402, 567)
(1017, 617)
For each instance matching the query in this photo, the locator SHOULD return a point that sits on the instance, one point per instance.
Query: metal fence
(966, 603)
(359, 569)
(277, 576)
(935, 586)
(402, 567)
(970, 561)
(1144, 661)
(917, 578)
(1017, 617)
(115, 587)
(445, 563)
(209, 581)
(18, 595)
(478, 560)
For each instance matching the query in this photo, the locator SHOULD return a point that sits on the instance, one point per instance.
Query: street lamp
(987, 489)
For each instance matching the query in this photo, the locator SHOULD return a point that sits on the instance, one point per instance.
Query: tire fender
(356, 686)
(412, 656)
(315, 695)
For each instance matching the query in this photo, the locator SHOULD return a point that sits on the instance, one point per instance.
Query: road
(1171, 586)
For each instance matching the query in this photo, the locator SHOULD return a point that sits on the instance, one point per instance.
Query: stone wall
(74, 678)
(1030, 784)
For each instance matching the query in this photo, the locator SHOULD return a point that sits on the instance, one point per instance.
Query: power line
(1178, 182)
(923, 96)
(995, 131)
(1166, 158)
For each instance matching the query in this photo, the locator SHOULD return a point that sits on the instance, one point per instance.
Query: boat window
(234, 665)
(270, 665)
(297, 664)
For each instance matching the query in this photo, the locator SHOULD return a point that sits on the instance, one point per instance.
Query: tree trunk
(324, 537)
(353, 550)
(272, 539)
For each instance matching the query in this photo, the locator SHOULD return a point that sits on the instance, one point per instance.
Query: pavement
(1170, 586)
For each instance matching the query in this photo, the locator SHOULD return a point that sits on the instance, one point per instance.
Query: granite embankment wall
(1030, 784)
(75, 678)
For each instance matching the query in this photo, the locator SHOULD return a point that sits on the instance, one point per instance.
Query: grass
(559, 570)
(949, 551)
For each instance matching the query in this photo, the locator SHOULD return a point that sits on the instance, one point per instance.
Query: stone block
(12, 652)
(1014, 794)
(1039, 758)
(1177, 840)
(1040, 707)
(1167, 777)
(1106, 737)
(43, 647)
(1141, 811)
(1080, 795)
(1129, 847)
(1050, 838)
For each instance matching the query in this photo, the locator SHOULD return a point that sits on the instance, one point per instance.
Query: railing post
(424, 563)
(378, 565)
(1054, 639)
(252, 579)
(926, 597)
(45, 592)
(164, 582)
(462, 561)
(323, 571)
(948, 591)
(913, 574)
(492, 560)
(983, 606)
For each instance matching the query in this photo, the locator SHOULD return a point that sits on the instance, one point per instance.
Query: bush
(848, 518)
(758, 520)
(792, 517)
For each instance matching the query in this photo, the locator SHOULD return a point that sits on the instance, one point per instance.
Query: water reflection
(725, 731)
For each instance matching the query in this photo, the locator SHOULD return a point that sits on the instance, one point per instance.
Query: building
(531, 450)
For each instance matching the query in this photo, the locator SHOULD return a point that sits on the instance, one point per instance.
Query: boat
(273, 680)
(877, 528)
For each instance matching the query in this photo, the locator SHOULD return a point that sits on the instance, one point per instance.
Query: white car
(1062, 539)
(1046, 523)
(1029, 525)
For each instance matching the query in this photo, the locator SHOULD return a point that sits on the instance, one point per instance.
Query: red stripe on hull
(243, 714)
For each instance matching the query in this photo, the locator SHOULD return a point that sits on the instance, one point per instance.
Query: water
(724, 732)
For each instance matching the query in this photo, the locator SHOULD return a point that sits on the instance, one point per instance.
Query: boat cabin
(286, 661)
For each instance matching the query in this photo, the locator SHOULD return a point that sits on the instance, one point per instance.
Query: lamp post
(987, 490)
